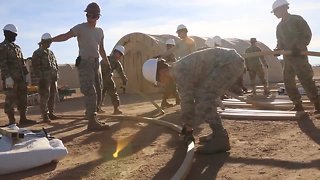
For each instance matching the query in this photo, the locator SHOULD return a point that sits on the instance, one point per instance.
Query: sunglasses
(93, 16)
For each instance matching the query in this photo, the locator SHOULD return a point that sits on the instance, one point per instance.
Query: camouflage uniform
(98, 85)
(108, 83)
(201, 78)
(88, 69)
(12, 64)
(88, 76)
(254, 66)
(45, 67)
(170, 88)
(295, 32)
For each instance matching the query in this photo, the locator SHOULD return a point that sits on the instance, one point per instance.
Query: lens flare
(121, 144)
(115, 155)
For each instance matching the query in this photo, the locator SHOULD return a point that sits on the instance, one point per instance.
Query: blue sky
(205, 18)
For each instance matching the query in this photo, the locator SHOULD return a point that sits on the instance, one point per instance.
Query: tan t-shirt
(185, 47)
(88, 40)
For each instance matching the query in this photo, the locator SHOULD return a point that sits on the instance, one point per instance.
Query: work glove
(295, 51)
(188, 136)
(276, 55)
(157, 57)
(9, 82)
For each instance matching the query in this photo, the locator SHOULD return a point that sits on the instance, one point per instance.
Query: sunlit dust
(121, 144)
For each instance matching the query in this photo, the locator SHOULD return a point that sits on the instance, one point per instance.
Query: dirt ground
(260, 149)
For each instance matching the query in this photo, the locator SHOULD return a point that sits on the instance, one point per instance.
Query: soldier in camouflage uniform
(170, 89)
(13, 72)
(45, 67)
(90, 41)
(201, 77)
(293, 33)
(108, 83)
(254, 67)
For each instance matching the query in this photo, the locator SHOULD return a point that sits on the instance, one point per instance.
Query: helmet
(120, 48)
(171, 42)
(93, 8)
(253, 40)
(181, 26)
(46, 36)
(149, 70)
(217, 40)
(11, 28)
(279, 3)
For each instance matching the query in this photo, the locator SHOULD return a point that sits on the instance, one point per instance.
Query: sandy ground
(260, 149)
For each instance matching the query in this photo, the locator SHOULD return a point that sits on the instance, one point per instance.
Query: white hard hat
(279, 3)
(181, 26)
(171, 41)
(149, 70)
(11, 28)
(217, 40)
(120, 48)
(46, 36)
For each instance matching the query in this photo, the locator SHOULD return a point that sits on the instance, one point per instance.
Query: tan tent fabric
(140, 47)
(68, 76)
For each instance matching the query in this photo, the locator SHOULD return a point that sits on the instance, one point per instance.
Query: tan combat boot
(45, 118)
(206, 138)
(95, 125)
(218, 143)
(24, 120)
(11, 118)
(116, 110)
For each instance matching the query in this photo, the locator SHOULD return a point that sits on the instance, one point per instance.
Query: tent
(68, 76)
(140, 47)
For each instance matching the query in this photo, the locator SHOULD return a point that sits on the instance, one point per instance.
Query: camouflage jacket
(252, 63)
(293, 31)
(44, 63)
(115, 65)
(11, 61)
(193, 70)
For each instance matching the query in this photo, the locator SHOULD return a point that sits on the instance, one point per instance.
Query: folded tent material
(30, 152)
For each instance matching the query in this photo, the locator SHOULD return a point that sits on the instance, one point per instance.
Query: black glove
(295, 51)
(188, 136)
(78, 61)
(276, 55)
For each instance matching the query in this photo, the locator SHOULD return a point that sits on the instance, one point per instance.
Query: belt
(89, 57)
